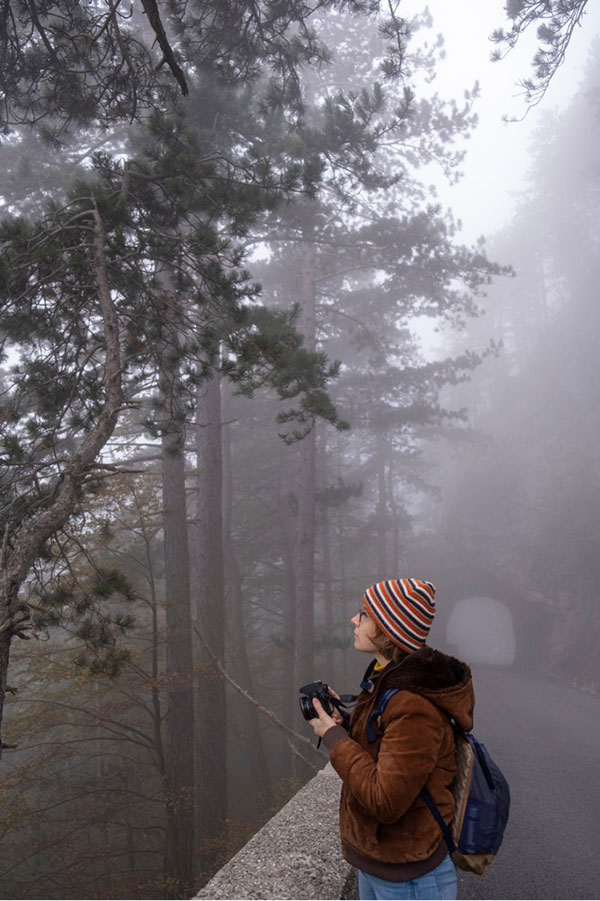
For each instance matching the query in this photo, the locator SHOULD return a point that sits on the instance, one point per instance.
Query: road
(546, 739)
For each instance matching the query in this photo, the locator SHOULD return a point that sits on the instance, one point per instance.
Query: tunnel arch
(481, 630)
(461, 575)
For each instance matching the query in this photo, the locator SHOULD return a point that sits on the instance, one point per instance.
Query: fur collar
(442, 679)
(426, 670)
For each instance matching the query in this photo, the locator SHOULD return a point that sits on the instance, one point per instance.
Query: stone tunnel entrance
(481, 630)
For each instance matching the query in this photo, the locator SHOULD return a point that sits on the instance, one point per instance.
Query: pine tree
(364, 259)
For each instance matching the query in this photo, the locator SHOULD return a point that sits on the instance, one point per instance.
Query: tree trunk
(326, 579)
(160, 753)
(180, 747)
(4, 658)
(326, 543)
(180, 844)
(343, 591)
(287, 678)
(210, 618)
(287, 519)
(305, 539)
(397, 545)
(251, 732)
(381, 515)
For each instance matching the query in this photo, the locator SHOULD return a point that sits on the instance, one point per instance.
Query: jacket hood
(442, 679)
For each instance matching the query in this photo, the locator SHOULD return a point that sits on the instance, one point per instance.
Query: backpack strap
(439, 819)
(378, 709)
(458, 730)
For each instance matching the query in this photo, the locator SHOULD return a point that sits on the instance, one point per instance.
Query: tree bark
(210, 618)
(325, 539)
(286, 526)
(381, 515)
(397, 546)
(287, 522)
(343, 592)
(252, 736)
(305, 539)
(180, 844)
(160, 754)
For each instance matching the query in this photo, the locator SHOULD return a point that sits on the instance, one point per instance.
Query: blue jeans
(438, 883)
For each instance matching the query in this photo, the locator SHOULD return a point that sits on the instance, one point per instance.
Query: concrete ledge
(295, 855)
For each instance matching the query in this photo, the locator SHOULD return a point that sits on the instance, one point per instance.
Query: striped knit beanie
(403, 609)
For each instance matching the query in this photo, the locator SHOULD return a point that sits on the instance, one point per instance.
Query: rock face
(295, 855)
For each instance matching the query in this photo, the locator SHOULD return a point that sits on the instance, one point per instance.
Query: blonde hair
(385, 646)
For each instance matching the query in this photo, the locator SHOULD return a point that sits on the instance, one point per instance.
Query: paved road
(546, 739)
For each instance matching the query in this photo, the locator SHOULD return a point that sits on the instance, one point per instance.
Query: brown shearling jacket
(382, 816)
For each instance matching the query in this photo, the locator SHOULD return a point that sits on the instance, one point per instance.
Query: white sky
(497, 156)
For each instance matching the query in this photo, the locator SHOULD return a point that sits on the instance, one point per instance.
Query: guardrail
(295, 855)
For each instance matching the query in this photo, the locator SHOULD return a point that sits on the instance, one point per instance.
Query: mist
(286, 311)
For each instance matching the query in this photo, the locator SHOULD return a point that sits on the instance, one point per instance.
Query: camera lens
(307, 709)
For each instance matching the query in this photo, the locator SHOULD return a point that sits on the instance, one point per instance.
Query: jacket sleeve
(409, 750)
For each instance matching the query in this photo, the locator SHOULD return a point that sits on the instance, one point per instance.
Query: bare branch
(288, 734)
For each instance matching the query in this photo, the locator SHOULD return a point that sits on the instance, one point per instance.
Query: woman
(384, 761)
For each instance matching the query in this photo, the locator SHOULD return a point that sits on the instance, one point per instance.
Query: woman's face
(364, 629)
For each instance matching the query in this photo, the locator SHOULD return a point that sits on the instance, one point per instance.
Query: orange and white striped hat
(403, 609)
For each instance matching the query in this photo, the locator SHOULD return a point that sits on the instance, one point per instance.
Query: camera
(318, 690)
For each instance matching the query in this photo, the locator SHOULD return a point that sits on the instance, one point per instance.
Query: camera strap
(348, 700)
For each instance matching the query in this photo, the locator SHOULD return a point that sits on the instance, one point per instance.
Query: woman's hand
(322, 722)
(336, 715)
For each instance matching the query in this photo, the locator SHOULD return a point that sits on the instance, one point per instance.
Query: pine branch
(42, 526)
(151, 10)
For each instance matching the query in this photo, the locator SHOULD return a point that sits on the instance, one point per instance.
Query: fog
(323, 318)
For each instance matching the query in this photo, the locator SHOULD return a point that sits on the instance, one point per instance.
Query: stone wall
(295, 855)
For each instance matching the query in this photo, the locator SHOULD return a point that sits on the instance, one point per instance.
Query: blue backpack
(481, 796)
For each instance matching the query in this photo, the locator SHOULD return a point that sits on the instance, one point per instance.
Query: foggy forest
(250, 364)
